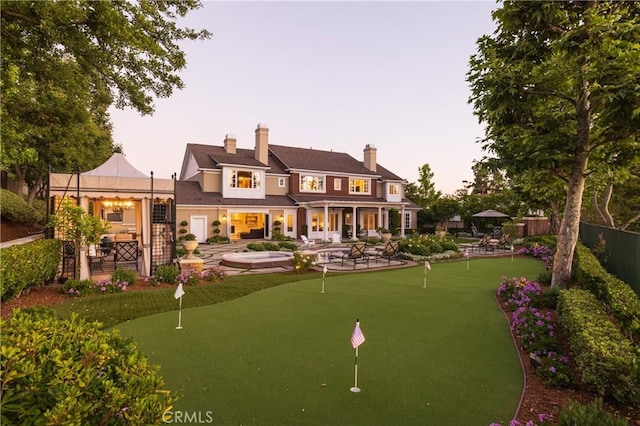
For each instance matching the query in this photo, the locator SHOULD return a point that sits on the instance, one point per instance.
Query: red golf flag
(357, 338)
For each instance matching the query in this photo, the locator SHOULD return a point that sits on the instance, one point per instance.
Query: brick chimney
(262, 144)
(230, 144)
(370, 157)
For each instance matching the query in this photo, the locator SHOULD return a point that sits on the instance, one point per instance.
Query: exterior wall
(211, 214)
(211, 182)
(536, 225)
(330, 190)
(272, 187)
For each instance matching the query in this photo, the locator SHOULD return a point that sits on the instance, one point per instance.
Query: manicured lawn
(436, 355)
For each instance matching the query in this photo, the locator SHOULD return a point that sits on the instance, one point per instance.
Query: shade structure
(490, 213)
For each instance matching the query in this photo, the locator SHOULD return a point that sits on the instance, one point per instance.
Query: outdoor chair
(307, 242)
(482, 244)
(335, 239)
(356, 255)
(504, 243)
(68, 258)
(390, 251)
(126, 252)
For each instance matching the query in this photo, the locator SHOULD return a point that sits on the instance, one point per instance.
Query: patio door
(199, 228)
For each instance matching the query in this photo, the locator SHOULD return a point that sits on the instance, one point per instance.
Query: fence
(622, 250)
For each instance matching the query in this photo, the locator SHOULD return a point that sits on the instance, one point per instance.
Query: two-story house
(254, 192)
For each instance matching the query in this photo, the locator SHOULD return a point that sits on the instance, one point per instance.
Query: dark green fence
(622, 249)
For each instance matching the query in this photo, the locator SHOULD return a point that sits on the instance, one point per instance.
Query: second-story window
(244, 179)
(359, 186)
(394, 189)
(312, 183)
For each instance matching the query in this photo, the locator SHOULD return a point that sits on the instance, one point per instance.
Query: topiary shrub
(15, 209)
(71, 372)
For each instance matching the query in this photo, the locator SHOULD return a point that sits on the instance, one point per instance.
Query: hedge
(70, 372)
(28, 265)
(605, 358)
(618, 296)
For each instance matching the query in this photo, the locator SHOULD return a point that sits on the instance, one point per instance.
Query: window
(312, 183)
(407, 220)
(281, 182)
(317, 222)
(359, 186)
(244, 179)
(337, 184)
(394, 189)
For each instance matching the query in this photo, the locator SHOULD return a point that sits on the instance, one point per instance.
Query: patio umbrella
(490, 213)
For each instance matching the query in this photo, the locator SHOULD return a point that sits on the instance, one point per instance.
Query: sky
(325, 75)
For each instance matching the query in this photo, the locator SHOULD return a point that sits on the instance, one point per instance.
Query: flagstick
(425, 276)
(179, 327)
(322, 283)
(355, 387)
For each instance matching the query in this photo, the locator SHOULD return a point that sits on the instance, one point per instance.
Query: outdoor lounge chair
(390, 251)
(482, 244)
(336, 239)
(475, 232)
(504, 243)
(307, 242)
(356, 255)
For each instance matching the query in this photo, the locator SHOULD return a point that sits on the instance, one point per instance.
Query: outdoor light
(118, 206)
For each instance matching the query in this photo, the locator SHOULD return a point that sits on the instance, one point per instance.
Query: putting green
(282, 356)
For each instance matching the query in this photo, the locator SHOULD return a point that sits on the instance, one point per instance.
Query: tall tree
(423, 192)
(557, 87)
(65, 63)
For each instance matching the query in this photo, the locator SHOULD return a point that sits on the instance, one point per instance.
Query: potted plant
(189, 243)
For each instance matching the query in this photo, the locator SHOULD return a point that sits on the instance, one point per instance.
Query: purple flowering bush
(535, 329)
(542, 252)
(85, 287)
(214, 274)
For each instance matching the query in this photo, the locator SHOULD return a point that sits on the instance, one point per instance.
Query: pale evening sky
(327, 75)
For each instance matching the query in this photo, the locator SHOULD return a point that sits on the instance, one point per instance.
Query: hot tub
(257, 259)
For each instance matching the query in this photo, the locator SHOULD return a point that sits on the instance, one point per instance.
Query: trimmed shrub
(70, 372)
(28, 265)
(606, 359)
(15, 209)
(621, 300)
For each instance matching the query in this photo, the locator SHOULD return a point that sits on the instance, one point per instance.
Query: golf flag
(466, 253)
(179, 292)
(511, 248)
(324, 270)
(357, 338)
(427, 265)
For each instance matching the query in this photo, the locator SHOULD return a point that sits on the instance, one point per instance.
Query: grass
(435, 355)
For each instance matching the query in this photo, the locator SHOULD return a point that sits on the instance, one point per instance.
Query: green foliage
(51, 376)
(15, 209)
(166, 274)
(618, 296)
(301, 262)
(124, 276)
(77, 287)
(256, 247)
(425, 245)
(287, 245)
(591, 414)
(74, 224)
(218, 239)
(27, 265)
(605, 358)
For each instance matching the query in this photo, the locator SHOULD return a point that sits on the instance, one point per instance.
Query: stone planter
(189, 246)
(385, 236)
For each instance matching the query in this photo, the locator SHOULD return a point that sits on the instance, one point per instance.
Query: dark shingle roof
(189, 192)
(282, 158)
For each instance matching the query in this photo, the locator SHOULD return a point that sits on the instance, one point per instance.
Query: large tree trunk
(570, 226)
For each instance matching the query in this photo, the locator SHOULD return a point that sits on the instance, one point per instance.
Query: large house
(294, 191)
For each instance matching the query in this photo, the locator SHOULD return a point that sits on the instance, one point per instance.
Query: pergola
(115, 183)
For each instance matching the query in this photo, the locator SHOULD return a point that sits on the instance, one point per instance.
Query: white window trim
(337, 184)
(315, 191)
(281, 182)
(368, 192)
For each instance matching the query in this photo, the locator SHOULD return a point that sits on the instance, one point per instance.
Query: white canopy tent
(115, 180)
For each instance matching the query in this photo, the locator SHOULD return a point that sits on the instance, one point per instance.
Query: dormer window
(311, 183)
(359, 186)
(244, 179)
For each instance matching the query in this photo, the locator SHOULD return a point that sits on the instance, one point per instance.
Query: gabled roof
(116, 166)
(284, 158)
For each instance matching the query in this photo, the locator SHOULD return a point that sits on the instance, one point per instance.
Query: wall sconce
(281, 218)
(224, 217)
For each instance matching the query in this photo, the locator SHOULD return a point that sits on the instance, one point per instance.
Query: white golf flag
(511, 248)
(427, 265)
(324, 270)
(466, 253)
(179, 292)
(357, 338)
